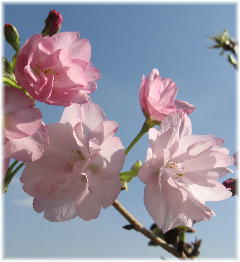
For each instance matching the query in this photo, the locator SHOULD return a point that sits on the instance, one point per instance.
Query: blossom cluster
(72, 168)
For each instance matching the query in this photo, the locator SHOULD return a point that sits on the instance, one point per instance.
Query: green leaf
(7, 67)
(9, 81)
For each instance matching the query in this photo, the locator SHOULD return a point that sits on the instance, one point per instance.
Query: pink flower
(57, 69)
(79, 173)
(25, 137)
(157, 97)
(181, 173)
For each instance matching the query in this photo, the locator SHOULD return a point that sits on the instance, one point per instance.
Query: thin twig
(140, 228)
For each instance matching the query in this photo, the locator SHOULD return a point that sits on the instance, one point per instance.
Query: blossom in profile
(157, 97)
(25, 136)
(79, 172)
(181, 173)
(57, 69)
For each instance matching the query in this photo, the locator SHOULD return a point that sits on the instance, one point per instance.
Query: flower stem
(148, 123)
(11, 167)
(149, 234)
(10, 174)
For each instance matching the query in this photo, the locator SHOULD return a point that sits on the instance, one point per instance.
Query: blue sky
(127, 42)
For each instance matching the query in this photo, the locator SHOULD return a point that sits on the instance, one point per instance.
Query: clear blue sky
(127, 42)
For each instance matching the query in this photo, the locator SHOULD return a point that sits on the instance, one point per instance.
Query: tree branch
(140, 228)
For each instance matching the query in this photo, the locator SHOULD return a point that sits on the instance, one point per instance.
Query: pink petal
(157, 204)
(207, 160)
(194, 209)
(63, 40)
(60, 152)
(89, 113)
(104, 130)
(169, 133)
(16, 100)
(107, 190)
(185, 106)
(113, 155)
(151, 167)
(23, 123)
(30, 148)
(7, 148)
(57, 210)
(88, 206)
(81, 49)
(92, 74)
(207, 189)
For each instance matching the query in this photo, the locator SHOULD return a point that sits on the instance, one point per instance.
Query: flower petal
(30, 148)
(23, 123)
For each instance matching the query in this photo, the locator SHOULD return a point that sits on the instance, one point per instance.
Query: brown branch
(140, 228)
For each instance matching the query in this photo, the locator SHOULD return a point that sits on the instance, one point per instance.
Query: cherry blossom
(157, 97)
(25, 136)
(181, 173)
(57, 69)
(79, 172)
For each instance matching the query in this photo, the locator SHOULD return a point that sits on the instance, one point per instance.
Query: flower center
(37, 69)
(74, 157)
(177, 168)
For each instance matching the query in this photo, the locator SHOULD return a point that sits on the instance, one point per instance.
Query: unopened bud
(136, 166)
(12, 36)
(52, 23)
(231, 184)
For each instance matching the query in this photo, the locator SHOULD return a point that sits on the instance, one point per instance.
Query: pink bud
(231, 184)
(52, 23)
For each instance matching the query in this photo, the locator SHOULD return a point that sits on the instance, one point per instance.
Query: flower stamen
(177, 168)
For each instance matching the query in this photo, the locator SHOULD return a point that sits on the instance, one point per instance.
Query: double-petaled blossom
(25, 136)
(79, 172)
(57, 69)
(157, 97)
(181, 173)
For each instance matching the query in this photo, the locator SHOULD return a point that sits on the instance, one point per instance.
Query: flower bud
(136, 166)
(231, 184)
(12, 36)
(52, 23)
